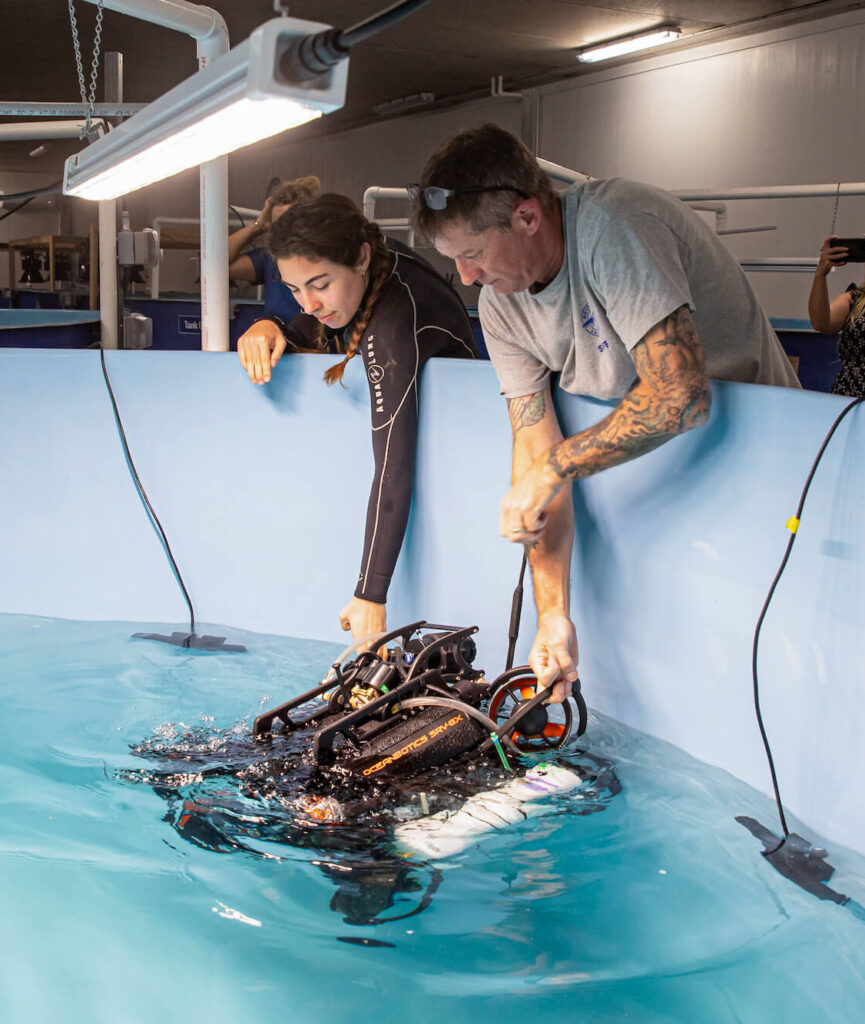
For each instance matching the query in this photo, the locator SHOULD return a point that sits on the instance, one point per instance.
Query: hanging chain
(97, 43)
(835, 214)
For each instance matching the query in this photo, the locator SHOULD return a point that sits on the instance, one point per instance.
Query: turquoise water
(656, 907)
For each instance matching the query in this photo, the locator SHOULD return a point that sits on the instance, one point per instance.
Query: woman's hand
(364, 618)
(831, 256)
(260, 349)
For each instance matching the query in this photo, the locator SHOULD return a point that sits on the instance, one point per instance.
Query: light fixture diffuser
(629, 44)
(235, 100)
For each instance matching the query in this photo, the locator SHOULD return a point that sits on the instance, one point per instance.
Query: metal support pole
(214, 231)
(214, 255)
(110, 301)
(531, 119)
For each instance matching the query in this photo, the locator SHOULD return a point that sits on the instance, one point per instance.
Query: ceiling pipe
(160, 222)
(69, 109)
(773, 192)
(204, 24)
(564, 174)
(45, 130)
(720, 211)
(497, 88)
(376, 192)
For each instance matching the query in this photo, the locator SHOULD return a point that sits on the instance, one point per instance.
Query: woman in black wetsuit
(381, 300)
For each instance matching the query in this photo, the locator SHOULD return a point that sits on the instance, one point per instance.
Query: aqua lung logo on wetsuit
(375, 374)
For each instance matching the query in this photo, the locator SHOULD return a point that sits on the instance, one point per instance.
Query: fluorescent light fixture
(629, 44)
(237, 99)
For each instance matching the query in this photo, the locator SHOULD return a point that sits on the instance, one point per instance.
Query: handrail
(773, 192)
(792, 264)
(559, 173)
(376, 192)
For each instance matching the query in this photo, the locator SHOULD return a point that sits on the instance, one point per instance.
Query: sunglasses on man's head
(437, 198)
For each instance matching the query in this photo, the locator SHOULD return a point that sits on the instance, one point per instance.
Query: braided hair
(330, 227)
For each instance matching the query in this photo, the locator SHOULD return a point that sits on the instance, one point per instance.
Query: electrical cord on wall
(190, 639)
(792, 526)
(143, 494)
(48, 190)
(15, 209)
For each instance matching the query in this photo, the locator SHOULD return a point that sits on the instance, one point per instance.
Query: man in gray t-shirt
(633, 255)
(621, 289)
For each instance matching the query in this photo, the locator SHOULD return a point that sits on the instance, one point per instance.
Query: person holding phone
(844, 316)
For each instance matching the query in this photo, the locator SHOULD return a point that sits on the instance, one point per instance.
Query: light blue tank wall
(262, 492)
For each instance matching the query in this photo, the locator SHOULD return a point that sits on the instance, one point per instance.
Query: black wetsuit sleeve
(394, 349)
(301, 333)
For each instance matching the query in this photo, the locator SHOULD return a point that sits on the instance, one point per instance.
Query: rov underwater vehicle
(401, 755)
(404, 709)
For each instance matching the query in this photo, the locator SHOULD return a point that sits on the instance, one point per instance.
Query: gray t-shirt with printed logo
(633, 255)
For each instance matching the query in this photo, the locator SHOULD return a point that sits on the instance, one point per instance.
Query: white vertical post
(108, 273)
(214, 230)
(109, 319)
(214, 255)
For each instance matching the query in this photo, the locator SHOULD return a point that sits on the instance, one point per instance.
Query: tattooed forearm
(671, 395)
(526, 411)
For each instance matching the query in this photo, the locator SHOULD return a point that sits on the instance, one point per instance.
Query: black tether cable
(793, 526)
(143, 494)
(370, 26)
(236, 214)
(49, 190)
(516, 612)
(318, 53)
(15, 209)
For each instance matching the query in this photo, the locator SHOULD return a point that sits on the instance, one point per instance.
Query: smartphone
(855, 247)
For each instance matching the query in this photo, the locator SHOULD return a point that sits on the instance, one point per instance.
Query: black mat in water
(802, 863)
(194, 641)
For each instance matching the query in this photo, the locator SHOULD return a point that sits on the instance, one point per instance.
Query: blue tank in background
(177, 327)
(48, 328)
(817, 363)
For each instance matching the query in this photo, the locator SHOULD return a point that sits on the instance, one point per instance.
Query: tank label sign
(188, 324)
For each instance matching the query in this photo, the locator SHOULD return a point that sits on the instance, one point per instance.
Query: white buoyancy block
(448, 832)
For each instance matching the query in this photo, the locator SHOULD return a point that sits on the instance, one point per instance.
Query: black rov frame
(421, 706)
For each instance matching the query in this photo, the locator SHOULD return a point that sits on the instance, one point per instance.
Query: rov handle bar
(423, 657)
(263, 724)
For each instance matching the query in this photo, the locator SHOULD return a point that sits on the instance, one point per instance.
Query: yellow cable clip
(793, 524)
